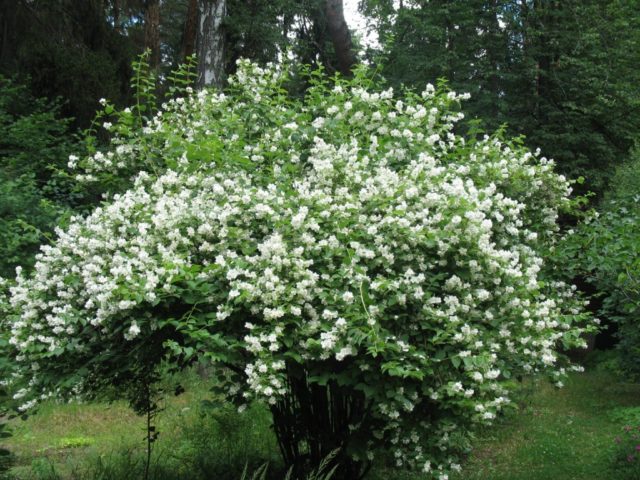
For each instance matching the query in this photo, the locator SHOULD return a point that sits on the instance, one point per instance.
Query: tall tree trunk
(211, 43)
(529, 94)
(546, 16)
(7, 23)
(340, 35)
(495, 49)
(449, 45)
(116, 16)
(190, 33)
(152, 31)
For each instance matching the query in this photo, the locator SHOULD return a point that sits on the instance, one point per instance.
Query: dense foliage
(81, 50)
(349, 259)
(34, 145)
(68, 49)
(606, 250)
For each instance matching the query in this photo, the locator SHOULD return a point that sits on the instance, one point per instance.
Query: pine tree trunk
(152, 31)
(340, 35)
(211, 43)
(116, 15)
(190, 33)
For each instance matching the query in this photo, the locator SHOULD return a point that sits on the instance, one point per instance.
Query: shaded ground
(565, 434)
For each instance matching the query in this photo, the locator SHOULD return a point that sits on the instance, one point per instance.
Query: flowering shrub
(353, 263)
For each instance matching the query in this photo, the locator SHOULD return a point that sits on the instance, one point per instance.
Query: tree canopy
(562, 73)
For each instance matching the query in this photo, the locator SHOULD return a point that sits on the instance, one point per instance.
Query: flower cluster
(351, 227)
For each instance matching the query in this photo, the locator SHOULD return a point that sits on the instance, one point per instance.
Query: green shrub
(34, 146)
(221, 443)
(606, 250)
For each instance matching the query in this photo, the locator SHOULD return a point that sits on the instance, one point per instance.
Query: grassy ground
(106, 441)
(565, 434)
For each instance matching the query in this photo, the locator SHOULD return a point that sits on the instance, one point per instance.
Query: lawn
(560, 434)
(565, 434)
(106, 440)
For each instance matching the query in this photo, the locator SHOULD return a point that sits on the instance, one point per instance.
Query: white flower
(133, 332)
(347, 297)
(344, 352)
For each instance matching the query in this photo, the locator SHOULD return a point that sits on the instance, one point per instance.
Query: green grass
(106, 440)
(565, 434)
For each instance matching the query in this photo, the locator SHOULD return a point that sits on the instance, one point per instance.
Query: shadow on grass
(565, 434)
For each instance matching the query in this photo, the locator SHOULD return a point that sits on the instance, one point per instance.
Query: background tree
(190, 31)
(34, 146)
(340, 36)
(152, 31)
(211, 42)
(559, 72)
(315, 30)
(69, 49)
